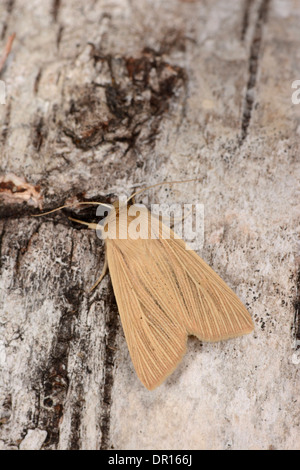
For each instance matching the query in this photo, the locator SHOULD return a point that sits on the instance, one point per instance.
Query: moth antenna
(72, 205)
(160, 184)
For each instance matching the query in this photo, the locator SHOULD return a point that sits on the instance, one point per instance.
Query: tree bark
(105, 96)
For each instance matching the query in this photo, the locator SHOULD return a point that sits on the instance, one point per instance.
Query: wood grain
(103, 96)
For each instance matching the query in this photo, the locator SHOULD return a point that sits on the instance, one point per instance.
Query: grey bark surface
(105, 95)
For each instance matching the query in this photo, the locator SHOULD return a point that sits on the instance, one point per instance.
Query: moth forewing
(165, 292)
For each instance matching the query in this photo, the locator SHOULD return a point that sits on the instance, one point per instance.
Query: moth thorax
(127, 222)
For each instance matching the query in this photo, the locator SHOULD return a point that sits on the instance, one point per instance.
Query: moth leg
(132, 200)
(91, 226)
(104, 271)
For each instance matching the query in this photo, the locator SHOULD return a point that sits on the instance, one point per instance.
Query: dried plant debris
(7, 50)
(15, 190)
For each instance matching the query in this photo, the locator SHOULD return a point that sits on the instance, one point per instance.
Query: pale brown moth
(164, 293)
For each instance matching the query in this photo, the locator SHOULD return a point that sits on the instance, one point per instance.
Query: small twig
(7, 50)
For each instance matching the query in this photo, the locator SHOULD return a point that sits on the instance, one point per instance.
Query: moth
(164, 293)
